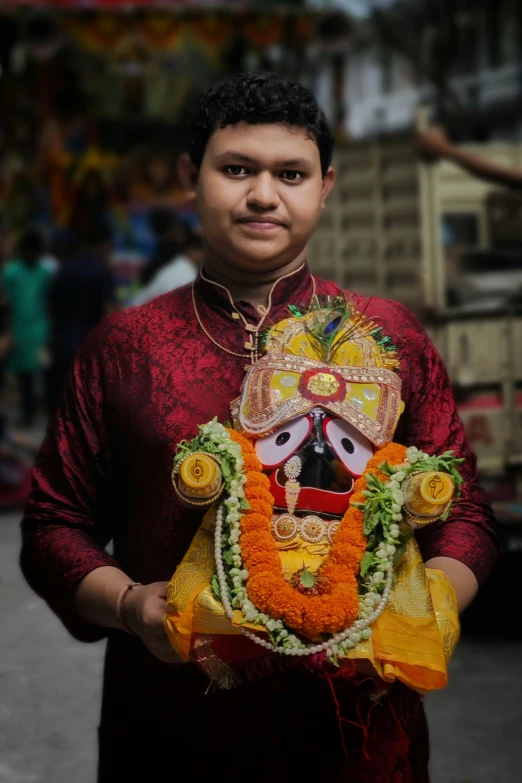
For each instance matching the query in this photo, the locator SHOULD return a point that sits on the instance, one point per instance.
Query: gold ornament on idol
(292, 487)
(197, 479)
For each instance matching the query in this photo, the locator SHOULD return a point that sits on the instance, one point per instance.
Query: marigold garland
(338, 607)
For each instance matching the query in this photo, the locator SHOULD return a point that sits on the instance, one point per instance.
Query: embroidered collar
(295, 288)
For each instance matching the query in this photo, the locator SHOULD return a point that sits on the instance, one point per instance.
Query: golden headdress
(332, 356)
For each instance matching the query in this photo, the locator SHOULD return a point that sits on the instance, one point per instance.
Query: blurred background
(425, 98)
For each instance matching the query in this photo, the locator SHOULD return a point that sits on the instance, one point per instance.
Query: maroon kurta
(142, 383)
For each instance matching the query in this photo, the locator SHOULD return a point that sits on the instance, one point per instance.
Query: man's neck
(253, 287)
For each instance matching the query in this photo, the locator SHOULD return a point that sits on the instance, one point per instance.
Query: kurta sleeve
(67, 521)
(431, 422)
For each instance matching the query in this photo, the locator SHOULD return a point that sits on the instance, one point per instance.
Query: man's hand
(144, 609)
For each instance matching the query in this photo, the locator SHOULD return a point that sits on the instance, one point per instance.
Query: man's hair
(259, 98)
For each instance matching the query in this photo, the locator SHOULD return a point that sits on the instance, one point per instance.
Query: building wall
(383, 90)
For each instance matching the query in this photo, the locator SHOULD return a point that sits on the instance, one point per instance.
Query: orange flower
(246, 446)
(256, 521)
(267, 588)
(257, 480)
(333, 572)
(250, 523)
(261, 506)
(261, 586)
(294, 613)
(250, 463)
(260, 560)
(358, 486)
(258, 539)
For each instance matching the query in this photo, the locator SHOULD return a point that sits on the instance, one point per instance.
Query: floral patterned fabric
(141, 383)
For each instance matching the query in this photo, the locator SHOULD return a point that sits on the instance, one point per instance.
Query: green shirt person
(25, 281)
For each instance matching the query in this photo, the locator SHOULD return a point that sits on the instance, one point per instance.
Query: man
(260, 167)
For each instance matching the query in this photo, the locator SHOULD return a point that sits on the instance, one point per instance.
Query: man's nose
(263, 193)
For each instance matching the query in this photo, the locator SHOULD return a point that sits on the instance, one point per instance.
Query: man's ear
(188, 175)
(328, 183)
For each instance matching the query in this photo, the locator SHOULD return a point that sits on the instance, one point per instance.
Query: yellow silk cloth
(412, 640)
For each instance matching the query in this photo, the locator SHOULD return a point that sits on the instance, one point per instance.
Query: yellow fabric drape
(412, 640)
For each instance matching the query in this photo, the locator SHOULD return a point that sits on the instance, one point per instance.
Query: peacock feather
(330, 323)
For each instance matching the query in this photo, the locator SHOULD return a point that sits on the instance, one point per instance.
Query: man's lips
(257, 223)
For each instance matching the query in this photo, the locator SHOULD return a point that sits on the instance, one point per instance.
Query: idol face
(260, 193)
(332, 453)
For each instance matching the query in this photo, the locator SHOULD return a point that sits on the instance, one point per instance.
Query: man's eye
(292, 176)
(236, 171)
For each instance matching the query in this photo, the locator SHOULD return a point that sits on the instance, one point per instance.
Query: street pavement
(50, 697)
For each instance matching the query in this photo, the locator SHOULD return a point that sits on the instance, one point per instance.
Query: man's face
(259, 194)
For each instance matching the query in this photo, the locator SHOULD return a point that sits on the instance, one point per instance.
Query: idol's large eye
(281, 444)
(352, 448)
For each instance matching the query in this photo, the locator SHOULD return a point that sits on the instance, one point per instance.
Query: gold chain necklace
(253, 355)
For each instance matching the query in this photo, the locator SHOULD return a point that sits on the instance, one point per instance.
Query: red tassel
(347, 672)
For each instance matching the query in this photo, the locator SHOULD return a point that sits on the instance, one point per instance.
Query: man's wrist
(126, 608)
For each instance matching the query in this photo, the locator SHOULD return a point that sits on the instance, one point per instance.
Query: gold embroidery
(257, 413)
(410, 595)
(197, 566)
(323, 384)
(446, 614)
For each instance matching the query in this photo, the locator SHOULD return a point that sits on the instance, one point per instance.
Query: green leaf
(366, 562)
(372, 481)
(370, 522)
(399, 551)
(225, 468)
(227, 557)
(306, 578)
(244, 505)
(215, 587)
(385, 468)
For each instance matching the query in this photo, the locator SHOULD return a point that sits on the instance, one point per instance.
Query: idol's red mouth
(324, 502)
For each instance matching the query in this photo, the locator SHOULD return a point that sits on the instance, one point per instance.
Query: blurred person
(26, 281)
(260, 166)
(82, 293)
(170, 236)
(180, 270)
(90, 203)
(5, 335)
